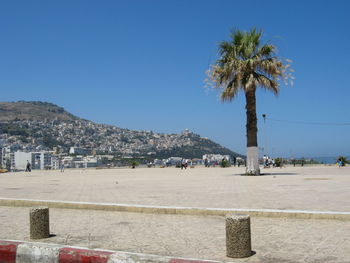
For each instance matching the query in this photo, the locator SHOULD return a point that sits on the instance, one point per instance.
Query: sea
(325, 160)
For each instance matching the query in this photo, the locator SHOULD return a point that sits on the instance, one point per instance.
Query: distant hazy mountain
(33, 124)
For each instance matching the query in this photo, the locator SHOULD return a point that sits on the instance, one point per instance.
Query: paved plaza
(203, 237)
(322, 188)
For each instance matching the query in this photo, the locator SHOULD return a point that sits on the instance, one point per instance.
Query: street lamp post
(265, 148)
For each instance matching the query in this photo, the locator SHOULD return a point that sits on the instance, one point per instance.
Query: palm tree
(245, 65)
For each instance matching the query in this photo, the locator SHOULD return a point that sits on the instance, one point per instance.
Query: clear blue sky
(141, 65)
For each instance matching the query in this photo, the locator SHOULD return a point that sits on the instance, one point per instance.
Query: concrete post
(39, 222)
(238, 242)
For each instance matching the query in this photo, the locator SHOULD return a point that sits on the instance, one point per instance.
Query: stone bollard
(39, 222)
(238, 244)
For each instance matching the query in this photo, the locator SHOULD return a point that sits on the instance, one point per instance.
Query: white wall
(21, 160)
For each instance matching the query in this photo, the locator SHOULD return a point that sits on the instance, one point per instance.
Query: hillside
(33, 110)
(41, 125)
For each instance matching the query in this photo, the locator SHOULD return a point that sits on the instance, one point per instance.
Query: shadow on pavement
(264, 174)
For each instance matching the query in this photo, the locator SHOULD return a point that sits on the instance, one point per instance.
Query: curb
(12, 251)
(293, 214)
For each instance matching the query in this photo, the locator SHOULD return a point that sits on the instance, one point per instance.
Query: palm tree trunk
(252, 130)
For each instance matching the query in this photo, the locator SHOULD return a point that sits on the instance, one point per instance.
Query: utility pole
(265, 148)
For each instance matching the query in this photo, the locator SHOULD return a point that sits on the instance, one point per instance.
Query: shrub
(278, 162)
(224, 163)
(134, 164)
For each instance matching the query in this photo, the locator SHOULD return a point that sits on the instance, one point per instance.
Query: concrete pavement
(320, 188)
(273, 240)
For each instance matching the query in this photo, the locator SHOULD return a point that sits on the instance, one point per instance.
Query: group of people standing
(184, 163)
(268, 162)
(340, 162)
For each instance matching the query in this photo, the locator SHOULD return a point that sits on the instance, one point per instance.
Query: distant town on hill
(42, 126)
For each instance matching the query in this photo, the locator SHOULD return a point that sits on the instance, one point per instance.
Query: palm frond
(244, 64)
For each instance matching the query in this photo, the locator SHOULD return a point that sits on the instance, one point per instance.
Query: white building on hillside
(81, 161)
(77, 150)
(7, 158)
(173, 160)
(21, 159)
(41, 160)
(216, 157)
(37, 160)
(55, 163)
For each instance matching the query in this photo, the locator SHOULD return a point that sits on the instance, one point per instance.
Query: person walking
(340, 162)
(265, 161)
(28, 168)
(183, 163)
(62, 166)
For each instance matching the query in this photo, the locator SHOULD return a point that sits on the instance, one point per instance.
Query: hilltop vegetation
(33, 110)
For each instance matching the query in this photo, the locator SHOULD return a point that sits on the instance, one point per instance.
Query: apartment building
(37, 160)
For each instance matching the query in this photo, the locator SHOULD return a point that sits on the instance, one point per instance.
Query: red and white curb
(30, 252)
